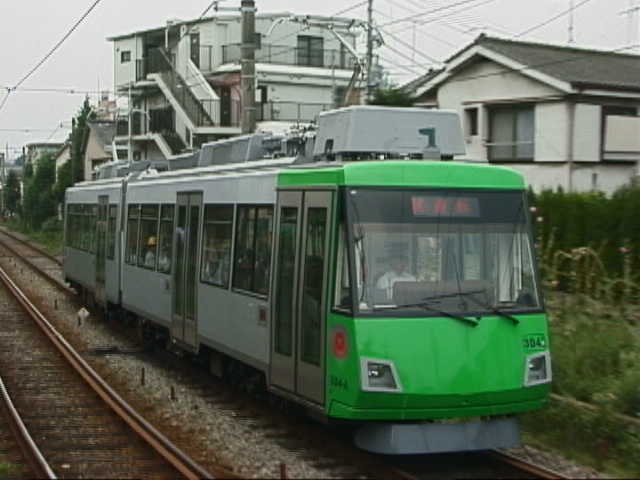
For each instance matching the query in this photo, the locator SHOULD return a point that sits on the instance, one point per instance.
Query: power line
(447, 7)
(402, 42)
(552, 19)
(39, 64)
(349, 9)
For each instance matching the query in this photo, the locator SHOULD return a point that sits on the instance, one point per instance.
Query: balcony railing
(157, 60)
(285, 55)
(225, 113)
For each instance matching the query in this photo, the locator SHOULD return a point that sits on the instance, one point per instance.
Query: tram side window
(147, 251)
(133, 218)
(93, 228)
(216, 245)
(252, 258)
(111, 232)
(165, 238)
(86, 227)
(70, 220)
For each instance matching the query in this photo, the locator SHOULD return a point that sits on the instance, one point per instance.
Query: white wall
(486, 82)
(587, 128)
(125, 73)
(551, 132)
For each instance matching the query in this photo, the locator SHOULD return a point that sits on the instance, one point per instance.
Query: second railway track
(79, 435)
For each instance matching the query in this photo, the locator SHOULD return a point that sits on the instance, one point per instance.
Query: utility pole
(248, 62)
(72, 158)
(3, 160)
(369, 47)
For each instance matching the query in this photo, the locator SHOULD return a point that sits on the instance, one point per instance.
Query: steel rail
(37, 463)
(178, 459)
(523, 465)
(9, 233)
(54, 281)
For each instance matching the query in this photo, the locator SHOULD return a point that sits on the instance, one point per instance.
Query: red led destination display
(435, 206)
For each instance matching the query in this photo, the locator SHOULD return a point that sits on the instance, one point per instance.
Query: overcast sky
(415, 40)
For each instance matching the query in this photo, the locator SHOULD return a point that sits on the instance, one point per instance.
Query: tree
(392, 97)
(73, 170)
(12, 193)
(39, 200)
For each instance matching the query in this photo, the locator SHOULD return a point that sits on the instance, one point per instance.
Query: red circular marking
(340, 344)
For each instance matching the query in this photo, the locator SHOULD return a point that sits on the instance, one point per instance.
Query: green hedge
(588, 242)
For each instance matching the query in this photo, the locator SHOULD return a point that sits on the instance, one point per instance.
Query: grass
(595, 347)
(50, 239)
(6, 467)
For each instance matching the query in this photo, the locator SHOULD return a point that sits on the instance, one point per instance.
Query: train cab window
(343, 289)
(216, 244)
(111, 232)
(252, 258)
(148, 244)
(133, 218)
(165, 238)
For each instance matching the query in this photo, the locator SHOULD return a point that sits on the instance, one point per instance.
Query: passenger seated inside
(150, 257)
(397, 273)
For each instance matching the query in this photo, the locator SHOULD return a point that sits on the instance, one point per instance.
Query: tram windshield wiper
(491, 308)
(426, 306)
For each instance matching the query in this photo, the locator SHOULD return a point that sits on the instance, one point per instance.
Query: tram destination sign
(453, 206)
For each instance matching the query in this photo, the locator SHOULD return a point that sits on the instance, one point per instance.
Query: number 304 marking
(534, 341)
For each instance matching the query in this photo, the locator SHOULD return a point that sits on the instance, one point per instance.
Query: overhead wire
(552, 19)
(41, 62)
(431, 12)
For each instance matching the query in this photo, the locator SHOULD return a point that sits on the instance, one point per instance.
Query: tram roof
(410, 174)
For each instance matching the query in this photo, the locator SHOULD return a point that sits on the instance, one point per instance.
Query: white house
(184, 78)
(563, 116)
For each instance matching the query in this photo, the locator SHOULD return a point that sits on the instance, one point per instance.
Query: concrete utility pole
(248, 71)
(369, 46)
(3, 159)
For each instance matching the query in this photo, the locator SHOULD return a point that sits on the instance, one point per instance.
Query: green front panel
(446, 368)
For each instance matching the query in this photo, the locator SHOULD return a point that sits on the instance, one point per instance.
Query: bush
(52, 225)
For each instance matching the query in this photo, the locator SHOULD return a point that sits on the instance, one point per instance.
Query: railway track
(326, 451)
(81, 431)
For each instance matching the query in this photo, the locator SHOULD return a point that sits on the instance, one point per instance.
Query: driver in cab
(397, 273)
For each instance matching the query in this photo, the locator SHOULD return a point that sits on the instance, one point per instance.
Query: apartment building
(183, 79)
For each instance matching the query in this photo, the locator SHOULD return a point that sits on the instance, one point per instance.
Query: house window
(511, 133)
(310, 51)
(125, 56)
(471, 120)
(620, 139)
(258, 41)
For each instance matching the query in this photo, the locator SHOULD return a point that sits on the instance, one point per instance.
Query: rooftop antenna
(631, 20)
(571, 39)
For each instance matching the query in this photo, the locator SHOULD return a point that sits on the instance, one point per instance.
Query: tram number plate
(534, 342)
(339, 382)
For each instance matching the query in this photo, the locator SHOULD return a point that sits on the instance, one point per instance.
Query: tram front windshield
(427, 251)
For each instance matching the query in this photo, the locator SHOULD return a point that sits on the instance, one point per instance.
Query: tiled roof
(105, 132)
(578, 66)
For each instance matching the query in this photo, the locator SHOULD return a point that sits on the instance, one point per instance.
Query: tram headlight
(537, 369)
(379, 376)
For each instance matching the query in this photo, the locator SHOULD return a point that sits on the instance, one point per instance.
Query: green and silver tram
(405, 298)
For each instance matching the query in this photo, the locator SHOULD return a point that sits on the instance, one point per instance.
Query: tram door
(101, 250)
(184, 292)
(299, 293)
